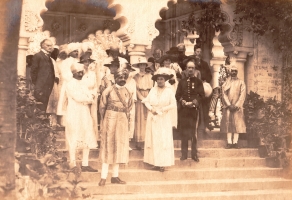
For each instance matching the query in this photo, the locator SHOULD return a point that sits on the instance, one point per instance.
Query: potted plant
(253, 112)
(268, 123)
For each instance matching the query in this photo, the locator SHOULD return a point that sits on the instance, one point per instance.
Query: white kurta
(158, 149)
(89, 80)
(79, 128)
(65, 76)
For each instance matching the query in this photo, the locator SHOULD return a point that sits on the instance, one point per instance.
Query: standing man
(182, 56)
(79, 126)
(43, 74)
(189, 94)
(206, 76)
(115, 105)
(234, 93)
(157, 54)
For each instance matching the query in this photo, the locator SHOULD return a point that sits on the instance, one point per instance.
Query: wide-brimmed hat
(173, 50)
(181, 47)
(84, 58)
(113, 62)
(164, 57)
(162, 72)
(192, 57)
(141, 60)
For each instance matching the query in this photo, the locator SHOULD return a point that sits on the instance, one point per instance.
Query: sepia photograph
(145, 99)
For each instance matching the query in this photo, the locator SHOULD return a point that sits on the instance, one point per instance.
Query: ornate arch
(137, 19)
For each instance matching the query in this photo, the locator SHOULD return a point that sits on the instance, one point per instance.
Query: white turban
(63, 48)
(73, 46)
(76, 67)
(87, 45)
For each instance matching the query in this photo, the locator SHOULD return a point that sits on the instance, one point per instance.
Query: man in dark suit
(43, 74)
(206, 76)
(189, 94)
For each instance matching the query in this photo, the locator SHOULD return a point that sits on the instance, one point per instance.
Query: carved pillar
(30, 23)
(231, 38)
(217, 60)
(189, 42)
(137, 19)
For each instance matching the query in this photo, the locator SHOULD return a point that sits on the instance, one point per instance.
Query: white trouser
(235, 138)
(72, 152)
(104, 170)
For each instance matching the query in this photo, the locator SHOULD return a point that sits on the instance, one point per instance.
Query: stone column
(21, 58)
(217, 60)
(30, 23)
(190, 45)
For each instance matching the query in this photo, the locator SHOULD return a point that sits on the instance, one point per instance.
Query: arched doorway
(73, 21)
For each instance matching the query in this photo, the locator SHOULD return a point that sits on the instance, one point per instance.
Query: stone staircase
(220, 174)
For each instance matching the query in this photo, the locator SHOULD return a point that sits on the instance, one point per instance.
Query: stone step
(134, 175)
(202, 153)
(226, 195)
(61, 144)
(189, 163)
(188, 186)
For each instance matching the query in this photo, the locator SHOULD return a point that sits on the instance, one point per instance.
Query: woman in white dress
(158, 149)
(144, 83)
(165, 63)
(89, 80)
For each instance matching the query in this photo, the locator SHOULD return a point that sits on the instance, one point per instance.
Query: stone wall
(263, 69)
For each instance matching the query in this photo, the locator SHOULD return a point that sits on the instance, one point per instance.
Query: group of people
(143, 101)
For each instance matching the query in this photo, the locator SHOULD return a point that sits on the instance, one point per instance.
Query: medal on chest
(193, 85)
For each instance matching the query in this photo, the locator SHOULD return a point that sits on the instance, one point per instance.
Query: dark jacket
(189, 89)
(42, 76)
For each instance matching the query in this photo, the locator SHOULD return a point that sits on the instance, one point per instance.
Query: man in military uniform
(189, 93)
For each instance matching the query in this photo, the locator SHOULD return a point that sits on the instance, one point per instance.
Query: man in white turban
(79, 126)
(66, 75)
(234, 93)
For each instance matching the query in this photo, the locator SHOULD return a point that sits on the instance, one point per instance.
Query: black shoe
(183, 158)
(235, 146)
(117, 180)
(161, 169)
(102, 182)
(195, 158)
(155, 168)
(228, 146)
(88, 169)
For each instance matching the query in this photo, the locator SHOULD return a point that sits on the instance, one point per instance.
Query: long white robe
(79, 128)
(158, 149)
(89, 80)
(65, 75)
(234, 93)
